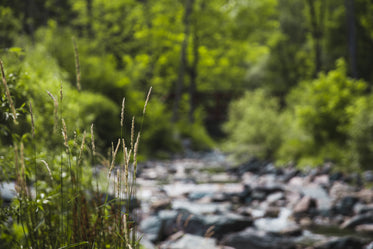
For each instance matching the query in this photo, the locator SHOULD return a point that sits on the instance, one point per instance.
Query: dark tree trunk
(29, 19)
(183, 60)
(90, 18)
(351, 34)
(193, 72)
(316, 33)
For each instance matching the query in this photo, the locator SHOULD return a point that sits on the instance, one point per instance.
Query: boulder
(357, 220)
(254, 239)
(345, 206)
(304, 206)
(189, 241)
(152, 228)
(365, 228)
(342, 243)
(168, 222)
(319, 194)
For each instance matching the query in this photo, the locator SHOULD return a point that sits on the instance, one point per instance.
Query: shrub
(59, 202)
(319, 110)
(254, 126)
(360, 133)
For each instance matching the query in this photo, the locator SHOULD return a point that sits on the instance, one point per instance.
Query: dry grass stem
(23, 169)
(77, 65)
(8, 93)
(55, 109)
(186, 223)
(125, 228)
(32, 121)
(118, 183)
(48, 169)
(135, 153)
(93, 141)
(122, 113)
(81, 148)
(147, 100)
(16, 164)
(132, 131)
(75, 138)
(125, 165)
(209, 232)
(61, 93)
(114, 156)
(64, 134)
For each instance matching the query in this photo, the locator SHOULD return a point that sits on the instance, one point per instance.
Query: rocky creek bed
(203, 202)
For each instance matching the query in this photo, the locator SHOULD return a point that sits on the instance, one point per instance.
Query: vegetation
(285, 80)
(60, 202)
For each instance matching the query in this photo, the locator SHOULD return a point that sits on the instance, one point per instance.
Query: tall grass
(60, 203)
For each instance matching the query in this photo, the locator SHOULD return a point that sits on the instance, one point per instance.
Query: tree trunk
(316, 34)
(183, 60)
(351, 34)
(193, 72)
(89, 18)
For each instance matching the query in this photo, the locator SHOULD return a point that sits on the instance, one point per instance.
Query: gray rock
(7, 191)
(152, 228)
(304, 206)
(368, 176)
(319, 194)
(189, 241)
(357, 220)
(345, 206)
(369, 246)
(173, 221)
(342, 243)
(254, 239)
(202, 208)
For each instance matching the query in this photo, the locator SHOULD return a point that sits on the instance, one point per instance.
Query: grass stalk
(11, 104)
(77, 65)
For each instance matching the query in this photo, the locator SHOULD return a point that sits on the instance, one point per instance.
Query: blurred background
(285, 80)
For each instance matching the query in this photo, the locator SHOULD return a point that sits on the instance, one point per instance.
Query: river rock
(345, 206)
(342, 243)
(168, 222)
(365, 228)
(304, 206)
(152, 228)
(368, 176)
(254, 239)
(359, 219)
(319, 194)
(360, 208)
(189, 241)
(7, 191)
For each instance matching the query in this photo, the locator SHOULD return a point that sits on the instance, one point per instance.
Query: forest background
(284, 80)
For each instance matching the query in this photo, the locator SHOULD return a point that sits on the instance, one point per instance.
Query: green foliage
(320, 117)
(9, 26)
(360, 133)
(159, 132)
(254, 127)
(80, 110)
(60, 203)
(196, 132)
(320, 105)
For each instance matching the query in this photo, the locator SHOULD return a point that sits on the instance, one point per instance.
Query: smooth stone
(342, 243)
(357, 220)
(189, 241)
(254, 239)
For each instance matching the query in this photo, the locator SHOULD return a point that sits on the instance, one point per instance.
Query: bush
(40, 78)
(254, 126)
(360, 133)
(319, 112)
